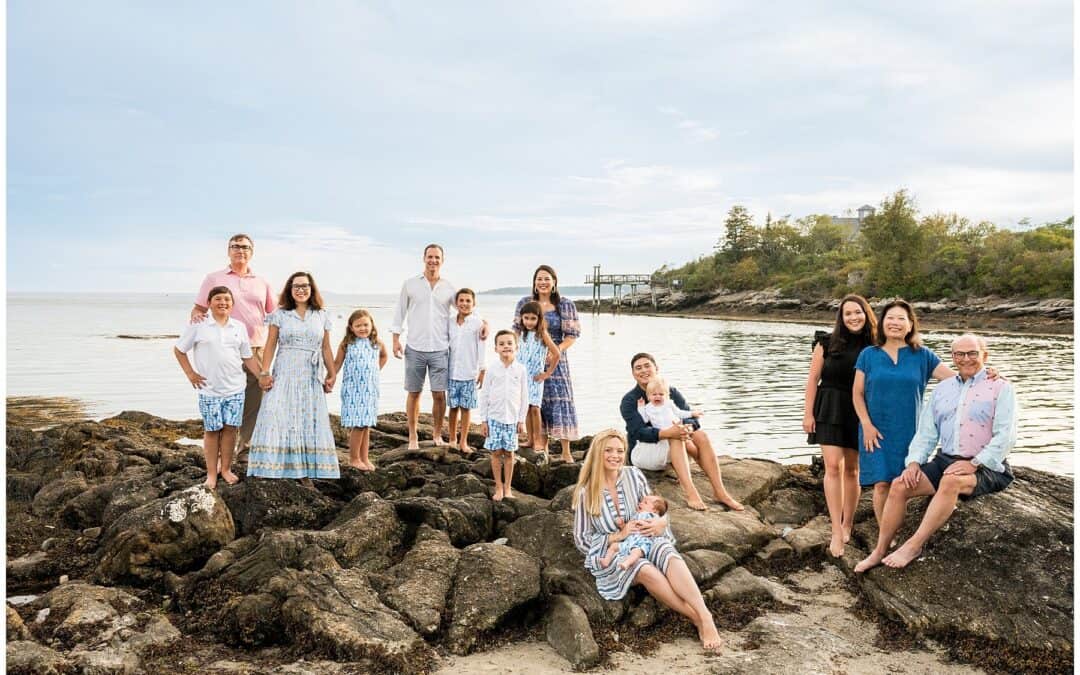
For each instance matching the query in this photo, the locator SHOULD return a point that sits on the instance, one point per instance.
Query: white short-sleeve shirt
(217, 353)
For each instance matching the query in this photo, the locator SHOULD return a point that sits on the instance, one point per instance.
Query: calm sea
(747, 376)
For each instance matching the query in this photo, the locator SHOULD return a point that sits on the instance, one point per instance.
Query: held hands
(398, 351)
(266, 382)
(484, 429)
(961, 468)
(328, 383)
(809, 424)
(197, 381)
(911, 475)
(871, 437)
(521, 427)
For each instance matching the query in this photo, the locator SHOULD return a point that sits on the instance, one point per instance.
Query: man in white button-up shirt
(424, 305)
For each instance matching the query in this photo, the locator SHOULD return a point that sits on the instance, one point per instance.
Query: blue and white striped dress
(591, 535)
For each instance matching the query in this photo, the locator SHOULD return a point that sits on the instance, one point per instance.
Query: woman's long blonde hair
(591, 477)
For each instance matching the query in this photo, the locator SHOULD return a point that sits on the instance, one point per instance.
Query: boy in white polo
(220, 348)
(466, 367)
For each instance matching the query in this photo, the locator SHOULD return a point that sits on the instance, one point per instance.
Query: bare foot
(836, 546)
(211, 483)
(569, 459)
(695, 503)
(847, 534)
(872, 560)
(498, 495)
(357, 464)
(900, 558)
(414, 444)
(230, 477)
(710, 638)
(439, 442)
(467, 451)
(368, 466)
(507, 494)
(729, 501)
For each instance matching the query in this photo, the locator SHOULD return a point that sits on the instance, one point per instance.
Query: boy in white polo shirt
(504, 402)
(220, 349)
(466, 367)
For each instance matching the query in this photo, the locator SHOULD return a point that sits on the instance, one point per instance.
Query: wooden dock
(617, 282)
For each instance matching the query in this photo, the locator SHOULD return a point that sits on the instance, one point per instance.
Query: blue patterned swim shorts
(218, 411)
(462, 394)
(501, 436)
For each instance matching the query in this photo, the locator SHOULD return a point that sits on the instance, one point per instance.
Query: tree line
(896, 252)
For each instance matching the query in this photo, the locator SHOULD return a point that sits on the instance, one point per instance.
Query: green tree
(739, 234)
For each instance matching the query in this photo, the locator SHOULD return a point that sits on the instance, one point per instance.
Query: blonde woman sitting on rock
(605, 497)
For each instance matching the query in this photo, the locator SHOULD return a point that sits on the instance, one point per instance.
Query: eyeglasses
(971, 355)
(301, 287)
(240, 247)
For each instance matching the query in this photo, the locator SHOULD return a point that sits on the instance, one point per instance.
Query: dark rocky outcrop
(379, 570)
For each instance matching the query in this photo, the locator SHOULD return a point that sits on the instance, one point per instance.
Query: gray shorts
(433, 364)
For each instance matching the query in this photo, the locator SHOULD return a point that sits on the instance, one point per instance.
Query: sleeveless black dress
(834, 413)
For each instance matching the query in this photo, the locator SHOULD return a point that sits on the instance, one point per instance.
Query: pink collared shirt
(252, 300)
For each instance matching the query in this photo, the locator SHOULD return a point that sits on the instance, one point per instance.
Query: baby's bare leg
(612, 551)
(634, 556)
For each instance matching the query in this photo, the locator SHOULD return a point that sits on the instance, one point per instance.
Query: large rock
(811, 538)
(547, 535)
(51, 497)
(568, 632)
(257, 503)
(748, 480)
(740, 584)
(16, 629)
(173, 534)
(1000, 572)
(25, 657)
(491, 582)
(466, 519)
(707, 565)
(790, 506)
(736, 533)
(419, 585)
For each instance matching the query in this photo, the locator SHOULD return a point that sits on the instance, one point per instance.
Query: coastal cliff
(119, 561)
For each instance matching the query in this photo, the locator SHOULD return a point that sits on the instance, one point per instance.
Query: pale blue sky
(343, 136)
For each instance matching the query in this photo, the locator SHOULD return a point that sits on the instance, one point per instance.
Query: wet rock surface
(385, 571)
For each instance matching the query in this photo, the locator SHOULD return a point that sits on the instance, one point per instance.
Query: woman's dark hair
(350, 336)
(554, 284)
(913, 338)
(841, 337)
(533, 307)
(218, 290)
(286, 301)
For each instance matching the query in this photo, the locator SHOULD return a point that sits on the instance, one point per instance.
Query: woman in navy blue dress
(890, 379)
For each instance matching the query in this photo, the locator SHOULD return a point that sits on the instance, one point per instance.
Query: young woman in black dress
(829, 416)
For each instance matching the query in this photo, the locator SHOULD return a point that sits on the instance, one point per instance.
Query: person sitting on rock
(974, 418)
(636, 546)
(606, 490)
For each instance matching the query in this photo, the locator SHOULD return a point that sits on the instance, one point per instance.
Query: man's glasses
(971, 355)
(301, 287)
(240, 247)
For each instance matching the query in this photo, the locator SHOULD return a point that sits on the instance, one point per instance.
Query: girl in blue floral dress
(292, 436)
(360, 357)
(540, 356)
(557, 410)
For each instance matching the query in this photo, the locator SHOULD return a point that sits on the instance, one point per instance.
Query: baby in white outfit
(661, 412)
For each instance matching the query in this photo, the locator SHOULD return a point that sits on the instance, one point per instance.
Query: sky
(344, 136)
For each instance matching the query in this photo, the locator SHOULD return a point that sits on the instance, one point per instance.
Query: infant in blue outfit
(636, 546)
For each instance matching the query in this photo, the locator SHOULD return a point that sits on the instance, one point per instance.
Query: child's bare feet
(507, 494)
(498, 497)
(211, 482)
(467, 451)
(230, 477)
(569, 459)
(356, 464)
(439, 442)
(368, 466)
(847, 534)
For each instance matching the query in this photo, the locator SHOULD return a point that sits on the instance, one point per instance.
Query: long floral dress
(557, 409)
(591, 535)
(292, 437)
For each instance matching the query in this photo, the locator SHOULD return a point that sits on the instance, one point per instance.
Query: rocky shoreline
(120, 562)
(991, 313)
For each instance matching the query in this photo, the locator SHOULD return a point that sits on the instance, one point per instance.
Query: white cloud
(697, 130)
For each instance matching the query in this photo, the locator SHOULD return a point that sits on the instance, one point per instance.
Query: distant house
(852, 225)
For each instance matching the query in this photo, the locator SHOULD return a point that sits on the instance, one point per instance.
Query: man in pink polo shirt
(253, 300)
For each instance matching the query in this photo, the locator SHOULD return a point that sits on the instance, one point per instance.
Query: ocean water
(747, 376)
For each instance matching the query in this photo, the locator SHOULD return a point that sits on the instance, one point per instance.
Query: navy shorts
(986, 480)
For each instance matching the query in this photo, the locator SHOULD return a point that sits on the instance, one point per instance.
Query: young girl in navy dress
(362, 355)
(540, 356)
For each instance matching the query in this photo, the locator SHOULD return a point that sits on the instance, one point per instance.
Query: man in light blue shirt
(973, 420)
